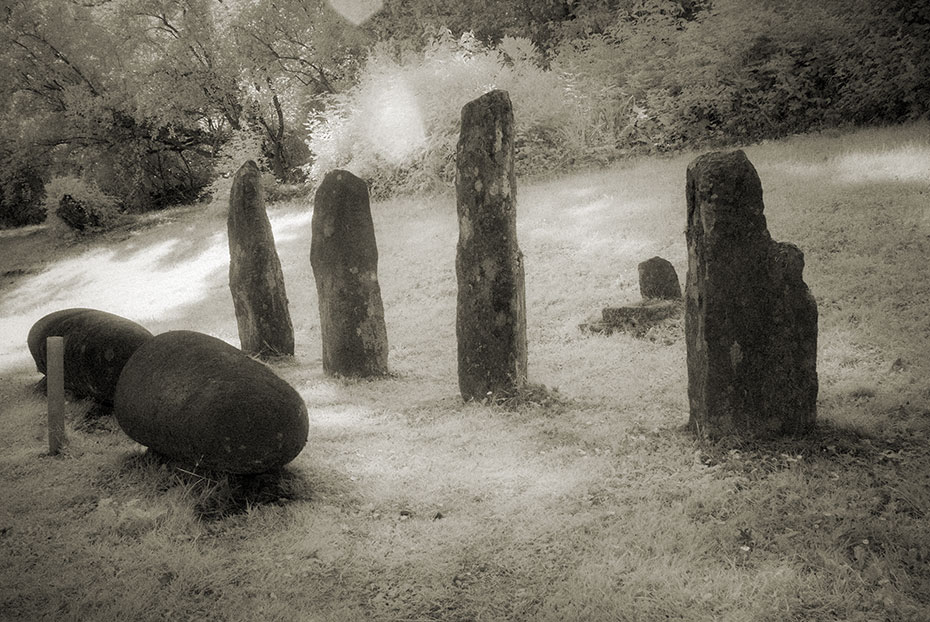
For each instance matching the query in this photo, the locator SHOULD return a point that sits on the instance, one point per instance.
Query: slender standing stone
(255, 277)
(750, 320)
(344, 258)
(491, 310)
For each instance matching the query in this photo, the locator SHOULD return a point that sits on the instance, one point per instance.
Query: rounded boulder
(203, 402)
(97, 345)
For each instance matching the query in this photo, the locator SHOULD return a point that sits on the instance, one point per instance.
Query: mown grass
(585, 502)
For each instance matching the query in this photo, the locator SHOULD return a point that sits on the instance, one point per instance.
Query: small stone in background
(658, 279)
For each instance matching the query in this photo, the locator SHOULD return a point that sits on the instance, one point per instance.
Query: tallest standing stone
(491, 309)
(750, 321)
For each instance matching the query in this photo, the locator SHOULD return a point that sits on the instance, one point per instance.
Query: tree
(75, 99)
(289, 53)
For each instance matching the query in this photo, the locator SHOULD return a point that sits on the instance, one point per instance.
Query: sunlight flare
(356, 11)
(176, 273)
(394, 123)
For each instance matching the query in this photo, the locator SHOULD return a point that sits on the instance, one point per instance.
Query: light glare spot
(394, 124)
(356, 11)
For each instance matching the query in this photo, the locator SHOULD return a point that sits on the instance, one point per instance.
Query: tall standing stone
(255, 277)
(750, 320)
(344, 258)
(491, 310)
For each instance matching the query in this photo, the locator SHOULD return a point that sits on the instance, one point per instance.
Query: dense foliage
(649, 75)
(140, 97)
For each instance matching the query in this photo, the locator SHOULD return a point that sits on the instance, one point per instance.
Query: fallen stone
(750, 320)
(200, 401)
(491, 304)
(255, 277)
(97, 345)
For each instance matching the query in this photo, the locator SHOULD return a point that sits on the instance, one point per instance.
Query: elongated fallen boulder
(200, 401)
(97, 346)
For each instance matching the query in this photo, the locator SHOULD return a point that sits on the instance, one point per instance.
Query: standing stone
(344, 258)
(491, 310)
(658, 279)
(255, 277)
(750, 320)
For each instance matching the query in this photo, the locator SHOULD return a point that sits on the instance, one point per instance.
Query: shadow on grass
(826, 444)
(213, 495)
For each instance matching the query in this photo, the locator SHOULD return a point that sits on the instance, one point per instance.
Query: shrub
(398, 127)
(642, 75)
(20, 193)
(741, 71)
(142, 175)
(101, 208)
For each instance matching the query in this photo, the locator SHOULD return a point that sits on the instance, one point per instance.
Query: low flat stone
(200, 401)
(635, 319)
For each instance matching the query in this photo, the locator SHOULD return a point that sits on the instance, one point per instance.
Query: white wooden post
(55, 377)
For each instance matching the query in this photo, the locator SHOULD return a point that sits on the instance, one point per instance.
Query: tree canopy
(139, 98)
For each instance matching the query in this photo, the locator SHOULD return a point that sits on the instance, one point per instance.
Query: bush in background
(398, 127)
(738, 71)
(100, 211)
(640, 76)
(20, 192)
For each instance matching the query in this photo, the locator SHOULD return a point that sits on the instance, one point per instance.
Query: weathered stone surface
(200, 401)
(750, 320)
(491, 308)
(635, 319)
(97, 345)
(658, 279)
(344, 258)
(75, 214)
(255, 277)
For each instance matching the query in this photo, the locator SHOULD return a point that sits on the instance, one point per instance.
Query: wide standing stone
(97, 346)
(344, 258)
(750, 320)
(491, 309)
(199, 400)
(658, 279)
(255, 277)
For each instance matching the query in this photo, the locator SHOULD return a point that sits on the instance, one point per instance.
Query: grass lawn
(589, 503)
